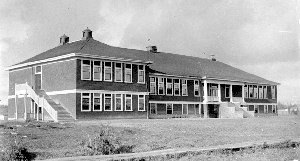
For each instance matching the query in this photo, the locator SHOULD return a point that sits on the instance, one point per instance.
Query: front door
(38, 77)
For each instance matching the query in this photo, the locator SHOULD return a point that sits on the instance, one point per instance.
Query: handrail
(40, 101)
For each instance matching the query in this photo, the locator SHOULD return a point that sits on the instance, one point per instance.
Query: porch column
(25, 110)
(43, 108)
(37, 113)
(205, 91)
(230, 92)
(243, 93)
(16, 104)
(205, 106)
(219, 92)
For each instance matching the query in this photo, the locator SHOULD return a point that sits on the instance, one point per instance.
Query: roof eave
(221, 79)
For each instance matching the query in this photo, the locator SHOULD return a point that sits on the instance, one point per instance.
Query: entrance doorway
(213, 111)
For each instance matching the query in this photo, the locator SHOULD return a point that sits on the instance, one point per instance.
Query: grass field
(52, 140)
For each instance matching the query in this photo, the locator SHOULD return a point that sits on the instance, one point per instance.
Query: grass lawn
(53, 140)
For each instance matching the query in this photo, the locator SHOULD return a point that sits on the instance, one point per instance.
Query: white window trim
(139, 103)
(185, 87)
(246, 91)
(89, 97)
(82, 69)
(121, 102)
(41, 73)
(187, 109)
(155, 104)
(273, 91)
(251, 89)
(154, 85)
(255, 91)
(227, 86)
(260, 92)
(167, 108)
(94, 71)
(196, 88)
(167, 87)
(130, 102)
(139, 73)
(121, 72)
(100, 101)
(111, 104)
(125, 73)
(178, 87)
(163, 82)
(110, 71)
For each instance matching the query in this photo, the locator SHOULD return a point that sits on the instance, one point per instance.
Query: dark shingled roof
(171, 64)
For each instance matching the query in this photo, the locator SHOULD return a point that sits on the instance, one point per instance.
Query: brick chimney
(152, 49)
(63, 39)
(87, 34)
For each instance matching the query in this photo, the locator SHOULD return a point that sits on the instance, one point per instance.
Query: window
(227, 91)
(273, 92)
(152, 85)
(128, 73)
(107, 71)
(246, 91)
(169, 86)
(108, 102)
(97, 102)
(141, 78)
(184, 109)
(85, 102)
(274, 108)
(255, 91)
(38, 70)
(265, 108)
(213, 90)
(118, 102)
(196, 88)
(184, 87)
(153, 108)
(86, 70)
(255, 108)
(128, 101)
(169, 109)
(250, 91)
(265, 92)
(97, 74)
(260, 91)
(141, 102)
(176, 87)
(118, 72)
(38, 77)
(161, 89)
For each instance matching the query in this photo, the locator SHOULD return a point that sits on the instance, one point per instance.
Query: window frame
(90, 71)
(260, 92)
(187, 109)
(115, 72)
(167, 86)
(227, 87)
(178, 86)
(100, 79)
(100, 97)
(251, 91)
(143, 82)
(246, 92)
(184, 85)
(255, 91)
(126, 69)
(167, 108)
(155, 106)
(116, 102)
(196, 88)
(89, 97)
(130, 102)
(144, 100)
(41, 73)
(111, 73)
(265, 90)
(154, 85)
(111, 104)
(163, 85)
(273, 92)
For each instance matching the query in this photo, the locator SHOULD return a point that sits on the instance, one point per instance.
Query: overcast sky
(257, 36)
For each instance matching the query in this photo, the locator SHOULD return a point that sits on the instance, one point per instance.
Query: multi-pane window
(128, 102)
(273, 92)
(118, 72)
(108, 102)
(128, 73)
(227, 91)
(255, 91)
(250, 91)
(108, 71)
(161, 89)
(265, 92)
(86, 70)
(184, 109)
(196, 88)
(85, 102)
(260, 91)
(38, 77)
(118, 102)
(141, 72)
(169, 86)
(176, 87)
(184, 87)
(153, 108)
(141, 102)
(97, 74)
(169, 108)
(152, 85)
(246, 91)
(213, 90)
(97, 102)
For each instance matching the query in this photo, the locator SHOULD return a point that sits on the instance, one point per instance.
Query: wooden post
(230, 93)
(205, 106)
(205, 91)
(219, 92)
(25, 111)
(43, 108)
(16, 104)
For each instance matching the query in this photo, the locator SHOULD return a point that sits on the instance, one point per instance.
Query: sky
(261, 37)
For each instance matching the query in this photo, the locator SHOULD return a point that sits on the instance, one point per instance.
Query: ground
(52, 140)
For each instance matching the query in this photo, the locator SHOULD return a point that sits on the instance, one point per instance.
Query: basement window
(184, 109)
(85, 70)
(141, 102)
(97, 102)
(169, 109)
(153, 108)
(85, 102)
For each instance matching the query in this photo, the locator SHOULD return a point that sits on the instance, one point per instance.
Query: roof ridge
(83, 45)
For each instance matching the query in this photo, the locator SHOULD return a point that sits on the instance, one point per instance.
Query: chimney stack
(87, 34)
(63, 39)
(152, 49)
(212, 57)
